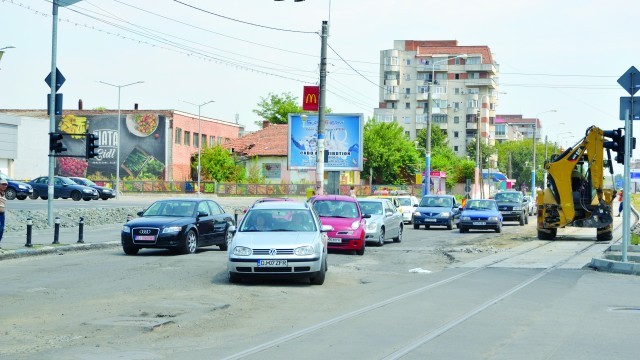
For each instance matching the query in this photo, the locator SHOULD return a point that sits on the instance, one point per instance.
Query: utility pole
(321, 109)
(477, 184)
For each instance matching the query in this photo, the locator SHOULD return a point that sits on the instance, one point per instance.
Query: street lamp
(426, 188)
(533, 168)
(4, 48)
(118, 132)
(199, 135)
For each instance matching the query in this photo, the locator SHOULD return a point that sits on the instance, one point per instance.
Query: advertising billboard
(343, 141)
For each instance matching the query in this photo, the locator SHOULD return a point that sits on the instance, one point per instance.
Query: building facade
(460, 83)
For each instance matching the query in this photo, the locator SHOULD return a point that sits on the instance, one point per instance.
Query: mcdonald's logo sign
(310, 96)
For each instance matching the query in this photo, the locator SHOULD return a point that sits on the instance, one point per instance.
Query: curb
(617, 267)
(13, 254)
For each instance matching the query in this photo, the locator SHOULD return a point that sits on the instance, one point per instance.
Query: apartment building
(517, 127)
(460, 82)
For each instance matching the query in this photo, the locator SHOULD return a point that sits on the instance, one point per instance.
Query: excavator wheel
(549, 234)
(604, 234)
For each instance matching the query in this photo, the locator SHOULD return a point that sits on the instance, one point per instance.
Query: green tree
(392, 156)
(486, 151)
(218, 165)
(438, 138)
(276, 108)
(517, 156)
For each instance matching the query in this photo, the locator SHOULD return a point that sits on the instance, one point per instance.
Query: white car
(407, 207)
(532, 208)
(385, 221)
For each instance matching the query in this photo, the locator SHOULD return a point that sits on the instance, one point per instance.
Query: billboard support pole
(321, 110)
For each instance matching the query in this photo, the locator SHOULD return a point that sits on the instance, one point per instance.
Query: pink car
(343, 213)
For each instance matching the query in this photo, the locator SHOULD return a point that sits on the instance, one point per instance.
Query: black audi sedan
(182, 225)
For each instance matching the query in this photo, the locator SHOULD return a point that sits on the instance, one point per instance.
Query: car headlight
(465, 218)
(355, 225)
(22, 187)
(417, 213)
(517, 208)
(371, 225)
(171, 229)
(493, 218)
(445, 214)
(241, 251)
(88, 191)
(302, 250)
(126, 229)
(106, 191)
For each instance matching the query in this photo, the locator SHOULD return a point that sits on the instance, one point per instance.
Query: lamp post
(533, 168)
(426, 188)
(4, 48)
(118, 137)
(200, 136)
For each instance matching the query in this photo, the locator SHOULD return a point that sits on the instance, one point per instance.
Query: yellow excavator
(574, 194)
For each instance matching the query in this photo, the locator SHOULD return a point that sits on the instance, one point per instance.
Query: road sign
(618, 183)
(625, 105)
(57, 104)
(59, 79)
(629, 80)
(635, 175)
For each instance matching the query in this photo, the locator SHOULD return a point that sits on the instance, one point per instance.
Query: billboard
(343, 141)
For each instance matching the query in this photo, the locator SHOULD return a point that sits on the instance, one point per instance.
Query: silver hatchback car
(279, 239)
(385, 221)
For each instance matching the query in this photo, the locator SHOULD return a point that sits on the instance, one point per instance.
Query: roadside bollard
(235, 216)
(56, 231)
(80, 229)
(29, 226)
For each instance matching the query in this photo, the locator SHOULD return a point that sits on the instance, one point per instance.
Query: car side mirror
(232, 229)
(415, 205)
(460, 208)
(202, 213)
(366, 216)
(139, 213)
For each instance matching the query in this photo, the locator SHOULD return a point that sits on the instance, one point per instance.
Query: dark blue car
(63, 187)
(16, 189)
(481, 214)
(436, 210)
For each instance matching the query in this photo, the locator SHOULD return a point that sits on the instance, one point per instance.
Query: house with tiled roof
(267, 151)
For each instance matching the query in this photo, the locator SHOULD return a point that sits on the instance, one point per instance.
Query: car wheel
(416, 226)
(76, 195)
(190, 243)
(361, 250)
(86, 199)
(318, 278)
(499, 228)
(130, 249)
(427, 227)
(526, 219)
(10, 194)
(450, 225)
(463, 229)
(105, 198)
(522, 219)
(44, 197)
(22, 197)
(34, 195)
(399, 237)
(228, 236)
(234, 278)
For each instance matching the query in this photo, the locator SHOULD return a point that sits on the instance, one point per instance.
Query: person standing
(352, 191)
(620, 206)
(3, 203)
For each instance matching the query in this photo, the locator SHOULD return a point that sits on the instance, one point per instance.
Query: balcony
(391, 97)
(422, 96)
(472, 125)
(490, 68)
(391, 67)
(391, 82)
(480, 83)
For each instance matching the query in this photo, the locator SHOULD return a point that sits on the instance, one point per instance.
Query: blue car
(436, 210)
(63, 187)
(482, 214)
(16, 189)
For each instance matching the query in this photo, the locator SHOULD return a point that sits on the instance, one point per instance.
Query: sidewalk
(13, 244)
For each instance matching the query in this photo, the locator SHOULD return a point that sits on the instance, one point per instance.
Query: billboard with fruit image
(142, 145)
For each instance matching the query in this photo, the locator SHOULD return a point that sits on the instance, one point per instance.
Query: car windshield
(336, 208)
(371, 207)
(404, 201)
(436, 201)
(480, 205)
(508, 197)
(171, 208)
(264, 220)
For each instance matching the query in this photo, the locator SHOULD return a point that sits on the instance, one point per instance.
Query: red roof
(270, 141)
(447, 47)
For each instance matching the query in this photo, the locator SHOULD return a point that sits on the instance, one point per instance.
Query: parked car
(182, 225)
(482, 214)
(436, 210)
(104, 193)
(63, 187)
(344, 215)
(279, 238)
(512, 206)
(532, 208)
(407, 207)
(385, 222)
(16, 189)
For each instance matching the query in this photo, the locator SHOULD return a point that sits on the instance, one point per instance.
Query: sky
(552, 55)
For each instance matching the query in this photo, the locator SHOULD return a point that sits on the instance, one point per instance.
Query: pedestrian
(352, 191)
(3, 203)
(619, 206)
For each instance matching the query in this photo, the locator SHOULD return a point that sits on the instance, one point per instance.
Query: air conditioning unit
(406, 96)
(456, 109)
(449, 105)
(462, 92)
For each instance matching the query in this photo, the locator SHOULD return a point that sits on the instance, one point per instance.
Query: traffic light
(55, 143)
(616, 144)
(91, 140)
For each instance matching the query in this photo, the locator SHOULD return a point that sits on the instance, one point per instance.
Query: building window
(407, 134)
(407, 61)
(187, 138)
(407, 77)
(455, 134)
(178, 139)
(204, 140)
(407, 105)
(271, 170)
(407, 91)
(455, 148)
(407, 119)
(196, 140)
(212, 141)
(456, 76)
(456, 119)
(474, 75)
(501, 130)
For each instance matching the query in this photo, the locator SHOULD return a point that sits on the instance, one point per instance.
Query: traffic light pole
(52, 110)
(626, 221)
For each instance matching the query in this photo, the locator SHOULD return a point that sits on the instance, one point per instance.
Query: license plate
(430, 220)
(479, 223)
(335, 240)
(145, 237)
(272, 263)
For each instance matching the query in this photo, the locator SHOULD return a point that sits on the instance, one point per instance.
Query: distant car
(481, 214)
(279, 239)
(182, 225)
(532, 209)
(104, 193)
(16, 189)
(385, 222)
(63, 187)
(436, 210)
(344, 215)
(407, 203)
(512, 206)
